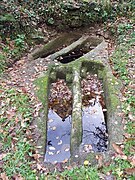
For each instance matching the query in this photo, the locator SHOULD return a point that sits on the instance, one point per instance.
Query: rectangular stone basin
(59, 117)
(73, 75)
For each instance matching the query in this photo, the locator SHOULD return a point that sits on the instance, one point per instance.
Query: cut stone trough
(93, 62)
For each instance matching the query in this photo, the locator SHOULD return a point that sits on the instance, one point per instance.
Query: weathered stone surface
(76, 131)
(94, 63)
(42, 84)
(85, 43)
(77, 44)
(54, 45)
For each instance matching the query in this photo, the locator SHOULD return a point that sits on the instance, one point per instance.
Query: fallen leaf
(52, 148)
(24, 90)
(18, 177)
(87, 147)
(132, 160)
(59, 167)
(16, 120)
(58, 152)
(10, 113)
(66, 160)
(67, 149)
(69, 167)
(50, 120)
(23, 124)
(1, 91)
(4, 176)
(100, 160)
(39, 167)
(86, 163)
(127, 135)
(2, 156)
(130, 171)
(117, 149)
(36, 156)
(131, 117)
(50, 153)
(122, 157)
(54, 128)
(132, 86)
(60, 142)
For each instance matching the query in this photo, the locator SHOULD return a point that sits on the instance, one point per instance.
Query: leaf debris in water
(60, 142)
(52, 148)
(54, 128)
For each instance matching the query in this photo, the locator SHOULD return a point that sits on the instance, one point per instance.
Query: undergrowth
(123, 63)
(16, 149)
(11, 50)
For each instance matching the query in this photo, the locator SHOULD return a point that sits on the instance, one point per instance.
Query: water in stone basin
(94, 129)
(70, 57)
(93, 119)
(58, 138)
(59, 123)
(59, 119)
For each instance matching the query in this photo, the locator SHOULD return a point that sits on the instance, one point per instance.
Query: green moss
(42, 88)
(111, 84)
(73, 73)
(112, 89)
(76, 134)
(91, 157)
(69, 78)
(53, 45)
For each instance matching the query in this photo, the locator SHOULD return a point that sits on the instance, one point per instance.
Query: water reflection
(94, 129)
(58, 138)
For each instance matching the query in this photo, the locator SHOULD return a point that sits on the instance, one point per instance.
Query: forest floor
(19, 158)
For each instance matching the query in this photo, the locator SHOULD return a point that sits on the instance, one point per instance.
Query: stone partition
(72, 74)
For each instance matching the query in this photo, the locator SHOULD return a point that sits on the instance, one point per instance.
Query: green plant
(50, 21)
(77, 173)
(20, 41)
(15, 120)
(2, 63)
(121, 59)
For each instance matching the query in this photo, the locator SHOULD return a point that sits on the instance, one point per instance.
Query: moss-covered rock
(72, 73)
(54, 45)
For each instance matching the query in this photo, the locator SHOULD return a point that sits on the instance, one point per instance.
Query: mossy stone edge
(112, 97)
